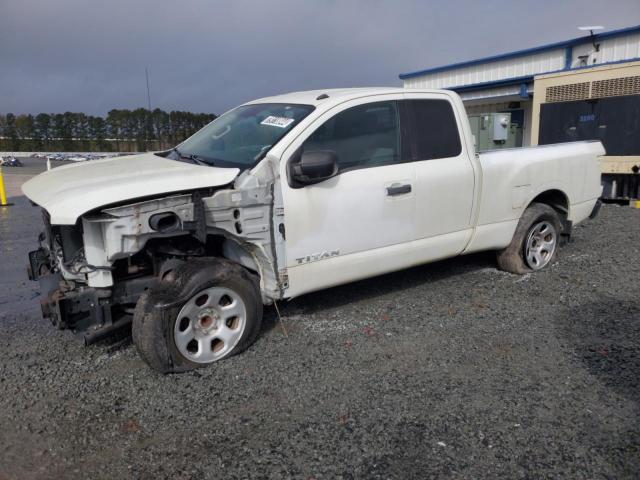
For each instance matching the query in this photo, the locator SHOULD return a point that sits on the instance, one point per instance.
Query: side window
(434, 129)
(362, 136)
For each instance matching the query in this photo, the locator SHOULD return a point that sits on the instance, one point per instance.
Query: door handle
(398, 189)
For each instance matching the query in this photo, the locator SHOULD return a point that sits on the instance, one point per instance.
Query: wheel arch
(556, 199)
(254, 258)
(240, 253)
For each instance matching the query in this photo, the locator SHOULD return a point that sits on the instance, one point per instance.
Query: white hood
(70, 191)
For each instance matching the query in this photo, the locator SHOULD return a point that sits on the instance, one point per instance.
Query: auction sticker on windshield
(282, 122)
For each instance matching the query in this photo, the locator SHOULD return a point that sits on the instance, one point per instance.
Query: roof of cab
(334, 95)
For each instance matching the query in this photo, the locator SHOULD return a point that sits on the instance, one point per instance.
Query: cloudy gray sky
(209, 55)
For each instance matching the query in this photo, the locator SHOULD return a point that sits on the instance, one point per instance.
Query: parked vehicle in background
(287, 195)
(10, 161)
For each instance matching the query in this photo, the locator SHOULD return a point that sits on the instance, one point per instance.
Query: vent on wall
(567, 93)
(615, 87)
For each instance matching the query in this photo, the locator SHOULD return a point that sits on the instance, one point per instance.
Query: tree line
(120, 131)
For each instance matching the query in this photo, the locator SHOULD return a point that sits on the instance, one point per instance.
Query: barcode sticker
(282, 122)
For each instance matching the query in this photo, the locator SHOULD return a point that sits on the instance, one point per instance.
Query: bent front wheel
(210, 310)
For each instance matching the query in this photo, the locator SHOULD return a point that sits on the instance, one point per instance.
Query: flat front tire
(535, 241)
(209, 310)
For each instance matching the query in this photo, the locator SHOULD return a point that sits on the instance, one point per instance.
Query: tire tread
(152, 323)
(511, 259)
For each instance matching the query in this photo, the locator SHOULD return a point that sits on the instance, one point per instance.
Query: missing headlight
(166, 222)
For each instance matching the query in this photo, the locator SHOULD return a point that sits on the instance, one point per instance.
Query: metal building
(583, 88)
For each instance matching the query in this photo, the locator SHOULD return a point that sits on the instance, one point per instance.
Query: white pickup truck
(283, 196)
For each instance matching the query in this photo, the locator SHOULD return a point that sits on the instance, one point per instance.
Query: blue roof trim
(520, 53)
(529, 78)
(494, 83)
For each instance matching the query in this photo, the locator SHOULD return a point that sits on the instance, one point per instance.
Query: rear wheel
(534, 242)
(209, 310)
(540, 246)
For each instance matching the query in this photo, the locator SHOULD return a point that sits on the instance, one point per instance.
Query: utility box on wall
(493, 131)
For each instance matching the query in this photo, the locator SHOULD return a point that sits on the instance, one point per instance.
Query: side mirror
(315, 167)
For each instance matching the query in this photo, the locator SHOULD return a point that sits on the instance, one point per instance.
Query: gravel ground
(451, 370)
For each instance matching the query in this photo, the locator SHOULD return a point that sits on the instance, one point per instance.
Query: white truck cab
(283, 196)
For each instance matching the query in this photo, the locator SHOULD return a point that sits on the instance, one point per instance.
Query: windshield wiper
(192, 156)
(262, 153)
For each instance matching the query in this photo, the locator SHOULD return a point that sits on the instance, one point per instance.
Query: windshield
(243, 136)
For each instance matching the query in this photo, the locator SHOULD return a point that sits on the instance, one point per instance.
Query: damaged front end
(67, 299)
(92, 274)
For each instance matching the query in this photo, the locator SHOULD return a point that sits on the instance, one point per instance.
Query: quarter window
(362, 136)
(434, 128)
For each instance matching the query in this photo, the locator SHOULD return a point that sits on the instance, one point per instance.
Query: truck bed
(513, 178)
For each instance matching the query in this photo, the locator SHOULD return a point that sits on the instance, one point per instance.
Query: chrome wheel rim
(210, 325)
(540, 245)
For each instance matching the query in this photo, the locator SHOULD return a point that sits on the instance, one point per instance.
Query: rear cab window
(433, 129)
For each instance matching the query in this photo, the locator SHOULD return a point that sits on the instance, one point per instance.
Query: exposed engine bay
(92, 273)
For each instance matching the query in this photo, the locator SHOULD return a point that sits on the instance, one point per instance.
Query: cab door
(361, 221)
(445, 177)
